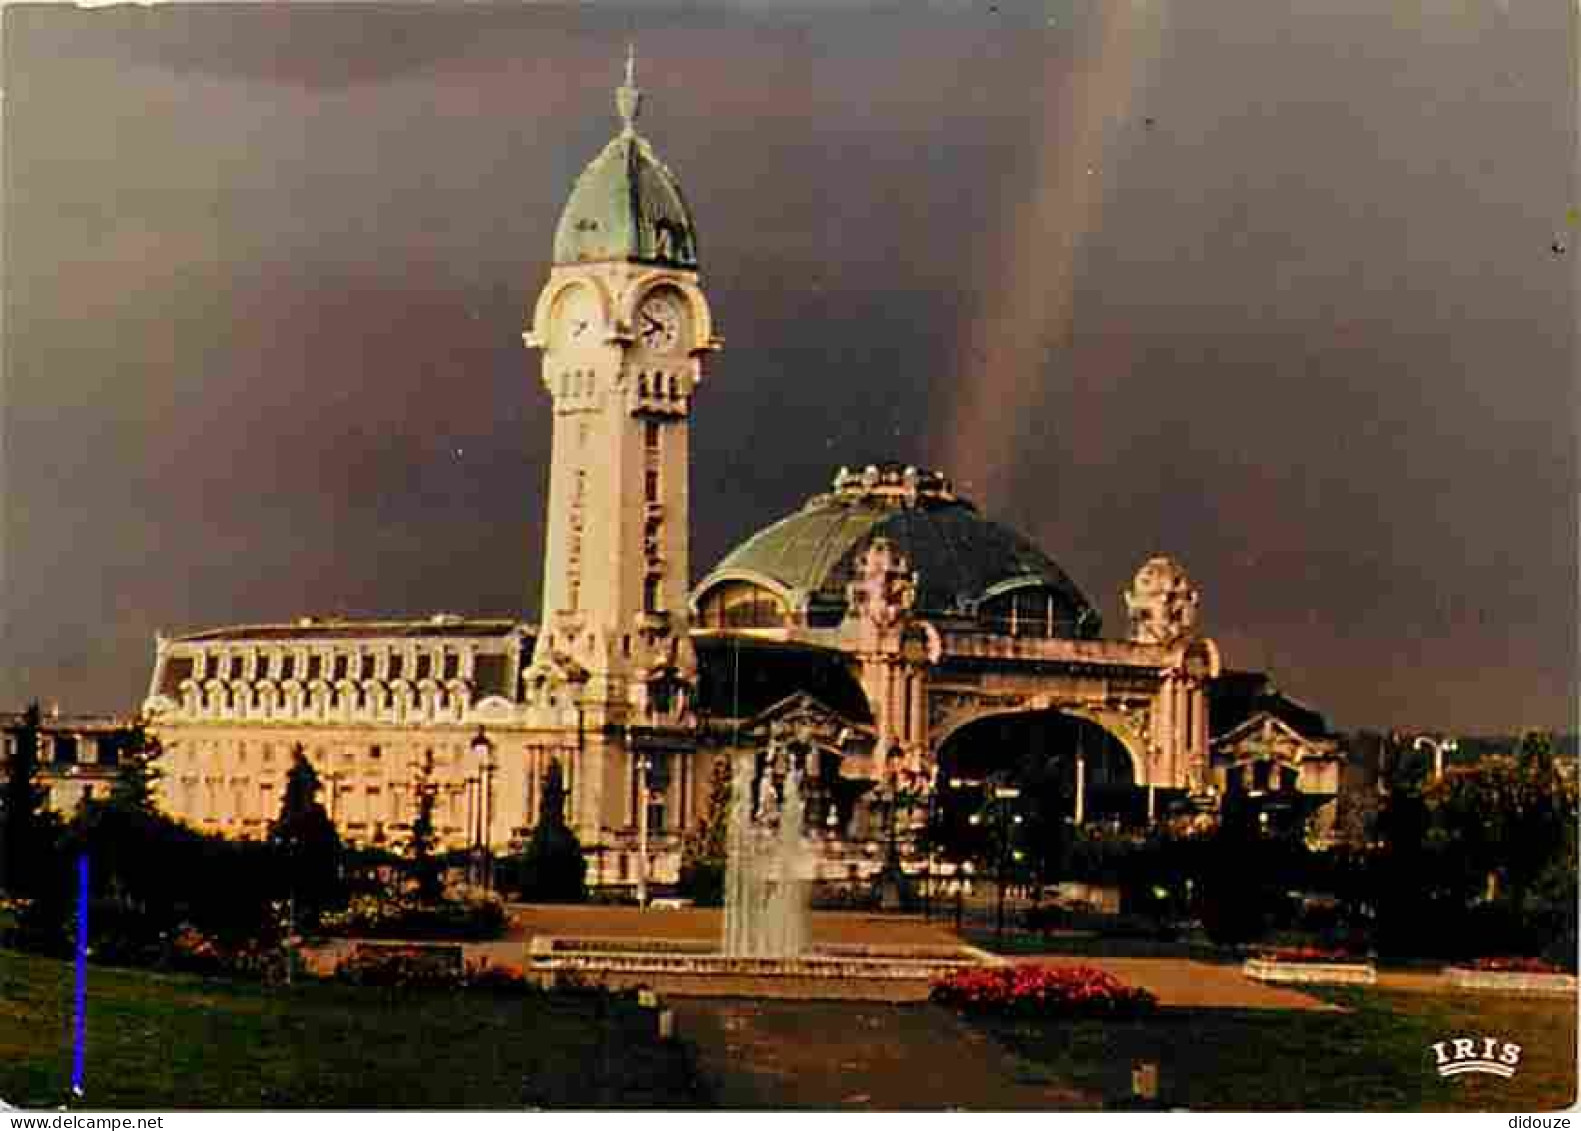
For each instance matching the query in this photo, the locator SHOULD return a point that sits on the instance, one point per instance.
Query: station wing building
(890, 636)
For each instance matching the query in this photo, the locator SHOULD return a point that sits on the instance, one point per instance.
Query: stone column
(1081, 786)
(1200, 730)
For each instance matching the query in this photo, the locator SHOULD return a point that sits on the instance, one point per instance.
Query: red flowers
(1042, 991)
(1305, 954)
(1515, 965)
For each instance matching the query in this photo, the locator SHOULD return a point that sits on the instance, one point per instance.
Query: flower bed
(1041, 991)
(369, 916)
(1511, 975)
(1310, 965)
(1513, 965)
(193, 952)
(1306, 954)
(402, 966)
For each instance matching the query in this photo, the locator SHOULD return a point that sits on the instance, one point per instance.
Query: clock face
(659, 323)
(576, 318)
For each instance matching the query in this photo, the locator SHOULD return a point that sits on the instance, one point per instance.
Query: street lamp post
(1439, 747)
(483, 753)
(474, 836)
(643, 766)
(894, 888)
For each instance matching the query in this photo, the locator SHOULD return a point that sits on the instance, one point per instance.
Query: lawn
(1377, 1056)
(171, 1041)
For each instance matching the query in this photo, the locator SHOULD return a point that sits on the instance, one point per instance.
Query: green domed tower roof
(967, 564)
(626, 205)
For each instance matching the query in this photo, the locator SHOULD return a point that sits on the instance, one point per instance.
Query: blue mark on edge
(79, 1026)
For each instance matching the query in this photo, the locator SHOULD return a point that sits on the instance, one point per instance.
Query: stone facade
(876, 631)
(78, 756)
(1270, 763)
(367, 702)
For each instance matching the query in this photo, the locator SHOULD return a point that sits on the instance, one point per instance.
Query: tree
(553, 865)
(26, 829)
(1506, 826)
(424, 865)
(137, 775)
(305, 841)
(703, 852)
(35, 865)
(130, 840)
(1244, 868)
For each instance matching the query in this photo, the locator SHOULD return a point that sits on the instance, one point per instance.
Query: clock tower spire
(623, 326)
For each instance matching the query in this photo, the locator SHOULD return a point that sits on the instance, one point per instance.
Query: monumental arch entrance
(1068, 768)
(1066, 771)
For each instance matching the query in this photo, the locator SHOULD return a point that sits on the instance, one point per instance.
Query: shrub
(417, 967)
(411, 967)
(1042, 991)
(473, 916)
(494, 978)
(194, 952)
(1046, 917)
(703, 882)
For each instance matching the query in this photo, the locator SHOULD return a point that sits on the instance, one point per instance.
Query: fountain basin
(685, 968)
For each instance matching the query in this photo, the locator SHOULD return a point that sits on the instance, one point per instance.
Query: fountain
(766, 947)
(767, 871)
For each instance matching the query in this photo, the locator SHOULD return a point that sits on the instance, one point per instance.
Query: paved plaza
(1177, 982)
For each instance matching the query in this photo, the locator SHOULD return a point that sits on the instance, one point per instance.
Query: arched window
(740, 604)
(1033, 611)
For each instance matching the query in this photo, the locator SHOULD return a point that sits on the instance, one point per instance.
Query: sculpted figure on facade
(1162, 603)
(886, 586)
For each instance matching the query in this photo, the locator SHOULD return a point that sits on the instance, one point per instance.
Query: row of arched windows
(307, 665)
(371, 700)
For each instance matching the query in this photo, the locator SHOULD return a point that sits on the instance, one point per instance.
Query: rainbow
(1005, 366)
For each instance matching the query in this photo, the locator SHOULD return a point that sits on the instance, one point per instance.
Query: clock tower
(623, 326)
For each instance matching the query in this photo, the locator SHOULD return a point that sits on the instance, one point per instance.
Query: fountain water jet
(766, 948)
(766, 896)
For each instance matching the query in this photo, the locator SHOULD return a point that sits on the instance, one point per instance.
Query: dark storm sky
(266, 270)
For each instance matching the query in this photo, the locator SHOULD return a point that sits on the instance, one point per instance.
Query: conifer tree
(553, 865)
(703, 852)
(307, 845)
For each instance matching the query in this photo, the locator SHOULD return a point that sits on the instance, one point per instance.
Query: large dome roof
(626, 205)
(965, 562)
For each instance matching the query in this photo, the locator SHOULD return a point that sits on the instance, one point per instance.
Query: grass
(168, 1041)
(171, 1041)
(1376, 1056)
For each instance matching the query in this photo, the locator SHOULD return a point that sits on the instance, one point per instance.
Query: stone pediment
(803, 718)
(1264, 736)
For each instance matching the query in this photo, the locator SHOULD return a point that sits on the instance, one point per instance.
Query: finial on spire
(628, 99)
